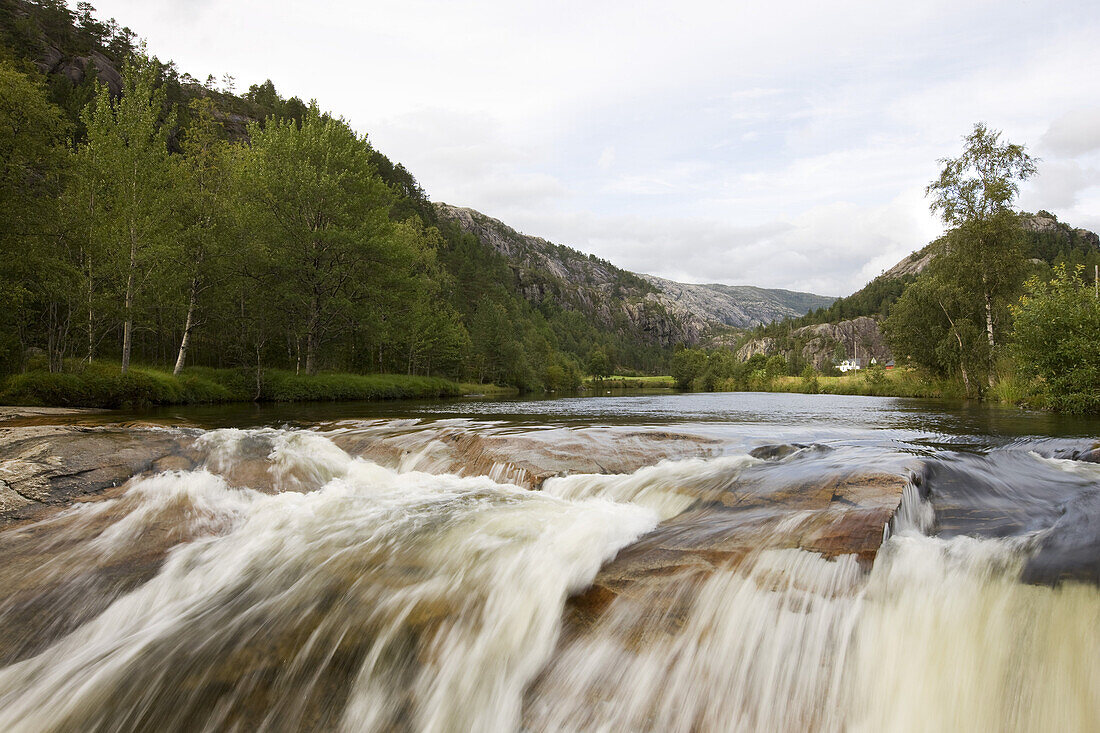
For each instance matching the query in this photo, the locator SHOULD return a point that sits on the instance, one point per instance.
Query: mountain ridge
(672, 312)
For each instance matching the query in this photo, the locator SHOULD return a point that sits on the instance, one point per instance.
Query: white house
(849, 365)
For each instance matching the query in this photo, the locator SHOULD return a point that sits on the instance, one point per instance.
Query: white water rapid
(351, 596)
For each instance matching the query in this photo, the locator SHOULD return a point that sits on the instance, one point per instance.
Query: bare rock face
(772, 546)
(1042, 223)
(739, 306)
(860, 338)
(76, 68)
(914, 264)
(52, 465)
(661, 311)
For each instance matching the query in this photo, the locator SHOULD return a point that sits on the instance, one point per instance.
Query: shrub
(1056, 342)
(809, 380)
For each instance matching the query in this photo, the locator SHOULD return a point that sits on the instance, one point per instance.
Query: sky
(779, 144)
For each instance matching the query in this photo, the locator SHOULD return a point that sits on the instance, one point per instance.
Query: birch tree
(126, 160)
(983, 252)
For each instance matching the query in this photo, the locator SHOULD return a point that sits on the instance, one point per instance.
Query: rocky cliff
(662, 311)
(858, 338)
(740, 306)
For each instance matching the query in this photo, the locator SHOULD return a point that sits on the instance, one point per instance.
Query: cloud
(1074, 133)
(832, 249)
(1057, 185)
(606, 159)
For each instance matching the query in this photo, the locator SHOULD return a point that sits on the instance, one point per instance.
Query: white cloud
(1073, 133)
(606, 159)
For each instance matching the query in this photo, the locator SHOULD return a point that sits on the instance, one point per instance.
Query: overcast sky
(778, 144)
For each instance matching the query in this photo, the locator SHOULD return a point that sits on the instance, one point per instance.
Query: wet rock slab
(527, 458)
(834, 513)
(45, 466)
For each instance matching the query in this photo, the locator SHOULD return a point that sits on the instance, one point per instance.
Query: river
(668, 562)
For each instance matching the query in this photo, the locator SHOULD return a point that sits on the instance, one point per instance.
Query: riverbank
(621, 382)
(900, 382)
(101, 385)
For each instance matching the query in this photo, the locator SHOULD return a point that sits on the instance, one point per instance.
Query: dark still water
(668, 562)
(733, 410)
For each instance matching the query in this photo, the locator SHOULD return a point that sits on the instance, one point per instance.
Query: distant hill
(740, 306)
(665, 311)
(851, 323)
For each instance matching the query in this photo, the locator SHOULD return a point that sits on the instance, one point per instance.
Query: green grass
(102, 385)
(487, 390)
(900, 382)
(626, 382)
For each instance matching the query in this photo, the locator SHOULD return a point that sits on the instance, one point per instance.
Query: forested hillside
(152, 218)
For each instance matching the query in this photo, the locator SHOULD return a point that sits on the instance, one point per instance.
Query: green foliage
(1057, 339)
(775, 366)
(125, 172)
(953, 320)
(687, 366)
(32, 260)
(810, 383)
(599, 366)
(155, 222)
(936, 326)
(874, 374)
(283, 386)
(189, 226)
(982, 182)
(103, 385)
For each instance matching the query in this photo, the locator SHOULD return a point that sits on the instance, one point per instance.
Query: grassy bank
(101, 385)
(893, 383)
(899, 382)
(619, 382)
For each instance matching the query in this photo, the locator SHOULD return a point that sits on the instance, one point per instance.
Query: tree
(687, 364)
(1057, 339)
(775, 366)
(32, 270)
(934, 325)
(204, 195)
(599, 366)
(810, 382)
(974, 194)
(323, 216)
(128, 173)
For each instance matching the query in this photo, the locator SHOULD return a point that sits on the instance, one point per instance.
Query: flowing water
(674, 562)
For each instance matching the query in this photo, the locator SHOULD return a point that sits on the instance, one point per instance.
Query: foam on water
(287, 585)
(414, 580)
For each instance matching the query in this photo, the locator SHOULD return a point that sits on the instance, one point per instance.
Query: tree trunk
(962, 351)
(259, 372)
(187, 326)
(52, 358)
(311, 353)
(989, 333)
(91, 310)
(311, 335)
(128, 324)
